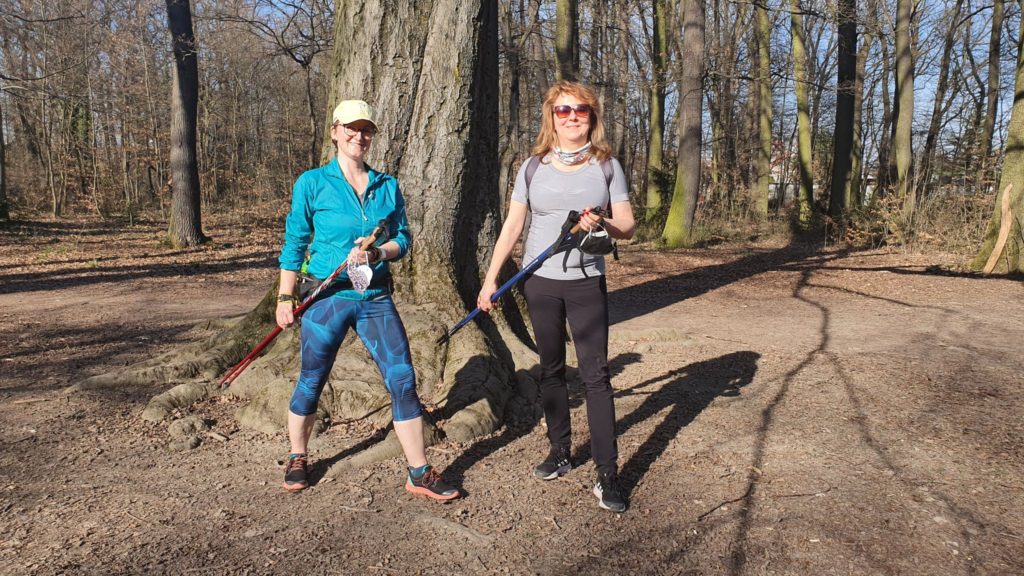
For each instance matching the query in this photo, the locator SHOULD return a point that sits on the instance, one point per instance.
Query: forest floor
(781, 410)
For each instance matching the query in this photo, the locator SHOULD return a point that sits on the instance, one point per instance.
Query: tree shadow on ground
(513, 430)
(686, 391)
(63, 279)
(641, 299)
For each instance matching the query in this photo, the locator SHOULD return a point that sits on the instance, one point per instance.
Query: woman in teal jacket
(342, 202)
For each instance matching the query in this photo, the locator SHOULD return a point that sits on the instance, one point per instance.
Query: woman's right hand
(285, 314)
(483, 300)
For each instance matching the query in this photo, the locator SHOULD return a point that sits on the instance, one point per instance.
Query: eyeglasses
(582, 110)
(367, 132)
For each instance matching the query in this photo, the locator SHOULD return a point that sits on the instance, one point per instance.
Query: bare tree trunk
(659, 55)
(185, 228)
(679, 229)
(902, 141)
(855, 191)
(314, 135)
(843, 143)
(1011, 182)
(885, 130)
(992, 96)
(567, 40)
(805, 197)
(763, 32)
(5, 213)
(939, 106)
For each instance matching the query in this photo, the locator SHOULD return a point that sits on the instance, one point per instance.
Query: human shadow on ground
(686, 392)
(515, 429)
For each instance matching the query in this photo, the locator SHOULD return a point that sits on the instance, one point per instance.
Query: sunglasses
(581, 110)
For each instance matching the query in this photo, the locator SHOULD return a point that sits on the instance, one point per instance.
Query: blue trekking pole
(570, 228)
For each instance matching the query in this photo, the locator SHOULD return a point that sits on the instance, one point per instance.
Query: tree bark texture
(902, 141)
(185, 227)
(843, 141)
(1011, 181)
(805, 197)
(567, 40)
(679, 225)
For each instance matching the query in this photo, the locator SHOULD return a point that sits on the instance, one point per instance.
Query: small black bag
(597, 242)
(306, 285)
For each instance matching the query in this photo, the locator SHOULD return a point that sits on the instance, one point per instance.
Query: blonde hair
(547, 139)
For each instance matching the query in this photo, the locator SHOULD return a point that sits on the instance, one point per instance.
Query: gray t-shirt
(552, 195)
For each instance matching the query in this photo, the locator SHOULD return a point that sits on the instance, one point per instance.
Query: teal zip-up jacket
(325, 203)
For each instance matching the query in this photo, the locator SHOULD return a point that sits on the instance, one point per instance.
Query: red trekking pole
(251, 356)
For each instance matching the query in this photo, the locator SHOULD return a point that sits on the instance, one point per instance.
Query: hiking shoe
(609, 493)
(431, 485)
(295, 470)
(555, 465)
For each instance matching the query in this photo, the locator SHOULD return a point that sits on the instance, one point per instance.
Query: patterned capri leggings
(378, 325)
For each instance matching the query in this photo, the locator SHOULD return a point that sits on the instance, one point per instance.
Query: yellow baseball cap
(349, 111)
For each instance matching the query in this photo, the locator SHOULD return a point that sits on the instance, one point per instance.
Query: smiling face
(354, 139)
(573, 131)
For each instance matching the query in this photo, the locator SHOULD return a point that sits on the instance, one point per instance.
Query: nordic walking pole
(368, 241)
(571, 227)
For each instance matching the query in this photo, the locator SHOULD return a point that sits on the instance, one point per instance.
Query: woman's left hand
(590, 220)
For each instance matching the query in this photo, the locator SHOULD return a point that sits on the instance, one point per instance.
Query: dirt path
(779, 412)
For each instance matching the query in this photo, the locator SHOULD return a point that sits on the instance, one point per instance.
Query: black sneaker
(431, 485)
(295, 470)
(609, 493)
(555, 465)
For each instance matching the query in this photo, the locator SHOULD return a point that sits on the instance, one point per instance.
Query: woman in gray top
(576, 172)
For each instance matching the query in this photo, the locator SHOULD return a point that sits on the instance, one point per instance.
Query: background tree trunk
(805, 197)
(1010, 182)
(185, 226)
(567, 40)
(679, 227)
(939, 107)
(5, 213)
(843, 142)
(902, 145)
(992, 94)
(655, 170)
(763, 31)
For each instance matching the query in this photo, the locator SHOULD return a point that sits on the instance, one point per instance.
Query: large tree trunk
(992, 96)
(805, 197)
(567, 40)
(842, 162)
(185, 227)
(902, 146)
(679, 225)
(763, 32)
(430, 69)
(1002, 234)
(655, 174)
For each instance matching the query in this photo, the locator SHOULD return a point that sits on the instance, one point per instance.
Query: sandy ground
(780, 411)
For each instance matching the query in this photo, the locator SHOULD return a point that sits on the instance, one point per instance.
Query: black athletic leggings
(584, 303)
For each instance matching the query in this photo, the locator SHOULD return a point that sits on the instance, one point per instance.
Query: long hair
(547, 139)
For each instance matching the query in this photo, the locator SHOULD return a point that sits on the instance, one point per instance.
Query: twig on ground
(750, 489)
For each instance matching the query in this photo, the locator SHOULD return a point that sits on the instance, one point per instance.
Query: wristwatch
(286, 298)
